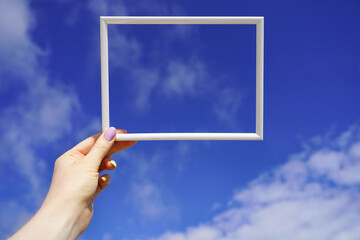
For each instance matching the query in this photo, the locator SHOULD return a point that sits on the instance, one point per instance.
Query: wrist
(61, 219)
(51, 222)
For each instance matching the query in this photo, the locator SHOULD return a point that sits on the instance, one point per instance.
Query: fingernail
(103, 178)
(110, 134)
(121, 131)
(113, 163)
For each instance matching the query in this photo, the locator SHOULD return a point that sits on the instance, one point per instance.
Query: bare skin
(68, 207)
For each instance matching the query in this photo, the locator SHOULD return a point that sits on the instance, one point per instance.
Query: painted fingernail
(110, 134)
(103, 178)
(121, 131)
(113, 163)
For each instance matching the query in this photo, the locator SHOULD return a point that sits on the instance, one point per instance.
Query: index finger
(120, 145)
(85, 146)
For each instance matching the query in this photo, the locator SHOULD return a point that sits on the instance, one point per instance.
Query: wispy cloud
(147, 195)
(171, 77)
(125, 51)
(13, 216)
(41, 109)
(93, 126)
(146, 80)
(313, 196)
(151, 202)
(41, 116)
(185, 78)
(107, 236)
(227, 104)
(153, 7)
(102, 7)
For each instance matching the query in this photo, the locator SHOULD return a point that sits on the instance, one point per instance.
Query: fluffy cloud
(41, 109)
(313, 196)
(18, 54)
(37, 114)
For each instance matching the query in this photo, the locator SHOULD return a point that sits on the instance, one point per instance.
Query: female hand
(68, 206)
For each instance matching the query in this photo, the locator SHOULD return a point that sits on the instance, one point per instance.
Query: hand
(68, 206)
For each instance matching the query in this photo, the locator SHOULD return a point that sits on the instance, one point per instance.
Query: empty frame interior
(257, 21)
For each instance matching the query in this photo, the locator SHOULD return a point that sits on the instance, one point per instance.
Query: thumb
(101, 147)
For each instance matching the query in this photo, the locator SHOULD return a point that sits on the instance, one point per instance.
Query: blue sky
(301, 182)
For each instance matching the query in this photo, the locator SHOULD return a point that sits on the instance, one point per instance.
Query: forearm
(51, 222)
(68, 207)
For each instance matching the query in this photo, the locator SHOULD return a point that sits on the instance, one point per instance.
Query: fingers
(103, 182)
(101, 148)
(85, 146)
(120, 145)
(107, 164)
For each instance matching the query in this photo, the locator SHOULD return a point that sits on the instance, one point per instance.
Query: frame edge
(105, 111)
(258, 21)
(186, 136)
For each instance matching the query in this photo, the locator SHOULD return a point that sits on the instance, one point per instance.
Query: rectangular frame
(258, 21)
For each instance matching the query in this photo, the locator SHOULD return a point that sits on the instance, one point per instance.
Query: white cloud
(173, 78)
(15, 21)
(41, 116)
(13, 216)
(107, 236)
(216, 206)
(18, 54)
(93, 127)
(101, 8)
(125, 51)
(153, 7)
(146, 81)
(147, 195)
(182, 32)
(313, 196)
(43, 108)
(355, 150)
(202, 232)
(150, 201)
(337, 166)
(184, 78)
(183, 151)
(227, 105)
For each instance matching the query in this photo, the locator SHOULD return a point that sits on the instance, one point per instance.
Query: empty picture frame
(258, 21)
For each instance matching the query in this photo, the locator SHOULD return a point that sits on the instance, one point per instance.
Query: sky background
(301, 182)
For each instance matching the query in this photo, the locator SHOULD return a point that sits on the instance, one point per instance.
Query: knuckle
(76, 155)
(101, 147)
(57, 162)
(61, 159)
(102, 186)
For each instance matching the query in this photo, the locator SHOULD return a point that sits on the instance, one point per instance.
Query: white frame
(258, 21)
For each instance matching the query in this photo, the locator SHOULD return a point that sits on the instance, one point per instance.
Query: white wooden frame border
(258, 21)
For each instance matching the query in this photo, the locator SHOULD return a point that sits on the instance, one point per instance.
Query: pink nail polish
(110, 134)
